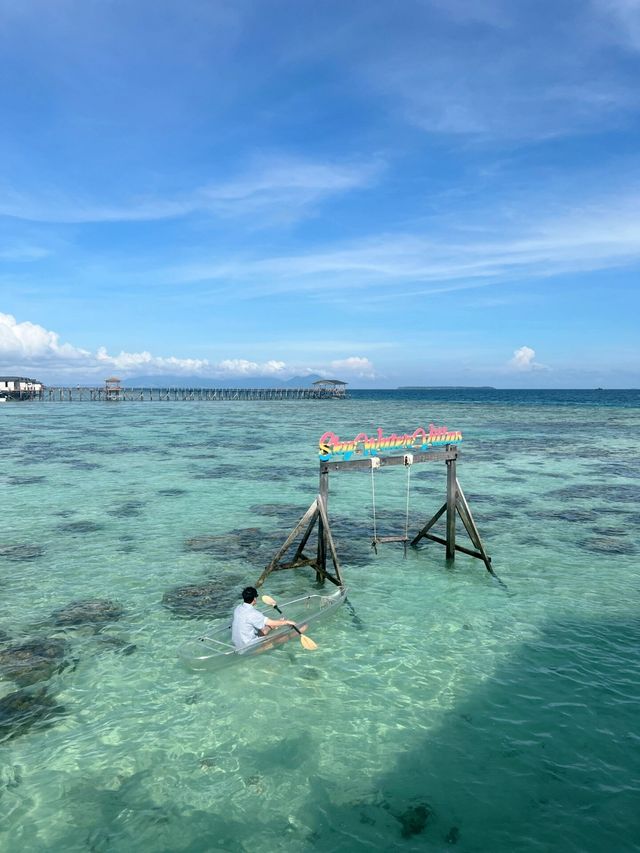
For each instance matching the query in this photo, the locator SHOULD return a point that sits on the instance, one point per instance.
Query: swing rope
(405, 539)
(374, 544)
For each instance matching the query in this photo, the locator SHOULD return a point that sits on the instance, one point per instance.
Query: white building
(19, 387)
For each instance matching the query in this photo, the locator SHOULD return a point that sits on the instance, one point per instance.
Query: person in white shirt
(248, 623)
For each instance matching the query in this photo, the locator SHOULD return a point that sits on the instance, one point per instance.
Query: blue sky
(427, 192)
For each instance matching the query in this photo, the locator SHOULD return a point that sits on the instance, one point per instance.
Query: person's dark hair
(249, 594)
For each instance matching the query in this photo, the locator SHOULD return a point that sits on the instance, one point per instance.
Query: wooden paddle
(307, 642)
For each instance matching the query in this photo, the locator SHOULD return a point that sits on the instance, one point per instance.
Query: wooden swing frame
(317, 514)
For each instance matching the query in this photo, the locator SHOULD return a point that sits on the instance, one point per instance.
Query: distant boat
(599, 389)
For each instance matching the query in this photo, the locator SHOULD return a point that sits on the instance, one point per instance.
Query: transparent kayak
(213, 649)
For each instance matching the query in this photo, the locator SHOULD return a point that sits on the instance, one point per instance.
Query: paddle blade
(268, 600)
(308, 643)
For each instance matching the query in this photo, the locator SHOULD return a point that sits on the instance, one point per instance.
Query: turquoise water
(439, 712)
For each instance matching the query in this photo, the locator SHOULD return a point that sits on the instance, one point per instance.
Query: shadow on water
(542, 756)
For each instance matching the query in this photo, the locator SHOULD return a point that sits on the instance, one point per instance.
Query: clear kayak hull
(213, 648)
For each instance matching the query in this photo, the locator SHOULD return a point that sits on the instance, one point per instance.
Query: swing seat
(379, 539)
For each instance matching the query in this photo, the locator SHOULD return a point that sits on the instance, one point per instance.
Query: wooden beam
(313, 509)
(468, 522)
(486, 558)
(305, 538)
(296, 564)
(364, 462)
(428, 525)
(460, 548)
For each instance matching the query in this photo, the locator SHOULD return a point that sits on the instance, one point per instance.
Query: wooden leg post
(321, 566)
(451, 508)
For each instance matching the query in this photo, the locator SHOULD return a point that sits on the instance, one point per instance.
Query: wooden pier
(116, 393)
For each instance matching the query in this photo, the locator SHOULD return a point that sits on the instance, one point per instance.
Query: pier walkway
(101, 394)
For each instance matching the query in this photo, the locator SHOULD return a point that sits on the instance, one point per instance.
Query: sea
(442, 709)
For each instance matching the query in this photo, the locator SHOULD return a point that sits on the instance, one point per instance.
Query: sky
(425, 192)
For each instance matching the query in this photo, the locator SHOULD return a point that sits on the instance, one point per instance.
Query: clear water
(439, 712)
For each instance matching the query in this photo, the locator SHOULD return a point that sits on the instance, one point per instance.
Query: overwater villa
(19, 388)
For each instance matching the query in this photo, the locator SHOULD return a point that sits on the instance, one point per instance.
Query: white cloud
(595, 234)
(32, 345)
(128, 361)
(25, 347)
(282, 187)
(523, 360)
(355, 365)
(28, 341)
(286, 186)
(242, 367)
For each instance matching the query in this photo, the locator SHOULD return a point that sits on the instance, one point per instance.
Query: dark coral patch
(88, 612)
(613, 492)
(129, 509)
(207, 599)
(285, 512)
(219, 472)
(81, 465)
(32, 661)
(25, 480)
(21, 552)
(453, 836)
(115, 644)
(609, 545)
(205, 543)
(24, 710)
(571, 515)
(81, 527)
(241, 543)
(413, 820)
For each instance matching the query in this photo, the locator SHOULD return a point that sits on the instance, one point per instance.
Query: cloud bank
(27, 347)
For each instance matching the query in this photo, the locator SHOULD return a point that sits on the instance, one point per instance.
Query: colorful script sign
(330, 445)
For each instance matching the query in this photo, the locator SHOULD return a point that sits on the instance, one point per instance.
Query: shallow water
(440, 711)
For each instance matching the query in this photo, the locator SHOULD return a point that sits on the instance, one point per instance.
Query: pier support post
(452, 491)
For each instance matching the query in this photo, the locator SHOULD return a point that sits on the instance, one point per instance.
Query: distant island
(446, 388)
